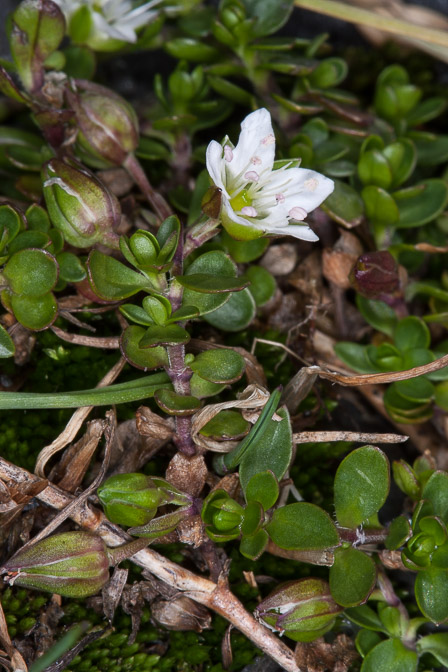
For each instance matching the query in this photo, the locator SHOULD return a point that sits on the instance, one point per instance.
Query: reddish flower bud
(108, 126)
(375, 274)
(73, 564)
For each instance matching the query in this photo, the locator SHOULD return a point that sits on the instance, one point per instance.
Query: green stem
(133, 390)
(365, 17)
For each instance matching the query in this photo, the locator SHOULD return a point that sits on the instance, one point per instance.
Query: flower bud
(132, 499)
(79, 205)
(181, 613)
(375, 274)
(108, 126)
(72, 564)
(303, 609)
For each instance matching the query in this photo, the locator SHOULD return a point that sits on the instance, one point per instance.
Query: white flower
(116, 19)
(256, 198)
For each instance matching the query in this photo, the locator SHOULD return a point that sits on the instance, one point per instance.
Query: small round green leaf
(262, 284)
(263, 488)
(431, 593)
(172, 334)
(366, 640)
(176, 404)
(215, 263)
(402, 157)
(416, 389)
(361, 485)
(390, 655)
(219, 366)
(436, 644)
(35, 312)
(10, 222)
(355, 356)
(441, 395)
(211, 284)
(302, 526)
(236, 314)
(365, 616)
(411, 333)
(373, 168)
(352, 576)
(421, 203)
(112, 280)
(70, 267)
(32, 272)
(252, 518)
(436, 492)
(380, 206)
(344, 205)
(252, 547)
(142, 358)
(227, 424)
(201, 388)
(378, 314)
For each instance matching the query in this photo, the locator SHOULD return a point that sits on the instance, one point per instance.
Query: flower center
(241, 200)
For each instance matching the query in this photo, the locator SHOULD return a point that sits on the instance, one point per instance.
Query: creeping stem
(178, 371)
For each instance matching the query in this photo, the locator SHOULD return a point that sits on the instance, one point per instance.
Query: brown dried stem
(74, 424)
(215, 596)
(378, 378)
(359, 437)
(109, 342)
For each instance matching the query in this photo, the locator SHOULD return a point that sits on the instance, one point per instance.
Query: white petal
(307, 188)
(214, 161)
(102, 26)
(302, 232)
(256, 145)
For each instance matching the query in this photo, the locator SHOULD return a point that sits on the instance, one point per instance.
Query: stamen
(249, 211)
(251, 176)
(256, 160)
(297, 213)
(279, 198)
(228, 153)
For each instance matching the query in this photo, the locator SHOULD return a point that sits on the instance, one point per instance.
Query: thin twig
(276, 344)
(108, 342)
(214, 596)
(359, 437)
(346, 12)
(74, 424)
(379, 378)
(109, 426)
